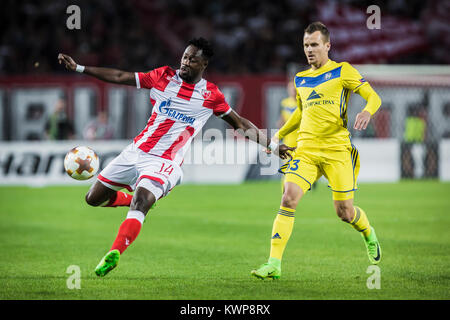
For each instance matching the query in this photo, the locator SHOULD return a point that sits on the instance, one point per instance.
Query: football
(81, 163)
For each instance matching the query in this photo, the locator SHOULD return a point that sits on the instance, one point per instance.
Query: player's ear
(205, 63)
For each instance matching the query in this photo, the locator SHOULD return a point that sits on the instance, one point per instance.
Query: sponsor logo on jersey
(164, 108)
(317, 100)
(314, 95)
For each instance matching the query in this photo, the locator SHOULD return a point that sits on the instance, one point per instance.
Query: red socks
(129, 230)
(120, 199)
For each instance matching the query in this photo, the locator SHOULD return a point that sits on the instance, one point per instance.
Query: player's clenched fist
(67, 61)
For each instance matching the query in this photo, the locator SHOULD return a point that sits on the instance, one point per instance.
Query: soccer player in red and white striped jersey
(150, 166)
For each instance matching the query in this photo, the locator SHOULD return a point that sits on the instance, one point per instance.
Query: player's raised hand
(283, 151)
(362, 120)
(68, 62)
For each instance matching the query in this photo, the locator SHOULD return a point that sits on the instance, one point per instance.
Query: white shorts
(134, 168)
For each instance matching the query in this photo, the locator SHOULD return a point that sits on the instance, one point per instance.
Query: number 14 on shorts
(166, 168)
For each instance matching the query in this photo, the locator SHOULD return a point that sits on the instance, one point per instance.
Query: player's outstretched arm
(247, 129)
(373, 104)
(105, 74)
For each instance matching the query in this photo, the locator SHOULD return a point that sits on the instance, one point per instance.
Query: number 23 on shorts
(293, 165)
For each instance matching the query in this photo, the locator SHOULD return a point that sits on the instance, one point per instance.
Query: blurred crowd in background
(249, 36)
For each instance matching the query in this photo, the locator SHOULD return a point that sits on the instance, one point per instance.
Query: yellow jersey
(322, 99)
(288, 106)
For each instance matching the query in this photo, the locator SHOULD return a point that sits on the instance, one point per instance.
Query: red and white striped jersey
(180, 110)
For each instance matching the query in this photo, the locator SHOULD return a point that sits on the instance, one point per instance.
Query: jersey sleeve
(222, 108)
(372, 98)
(351, 78)
(149, 79)
(216, 101)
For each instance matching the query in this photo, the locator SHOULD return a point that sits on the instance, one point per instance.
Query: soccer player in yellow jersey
(323, 145)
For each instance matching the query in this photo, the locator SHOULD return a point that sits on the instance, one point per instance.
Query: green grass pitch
(202, 241)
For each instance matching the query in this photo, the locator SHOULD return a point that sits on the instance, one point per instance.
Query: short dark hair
(204, 45)
(319, 26)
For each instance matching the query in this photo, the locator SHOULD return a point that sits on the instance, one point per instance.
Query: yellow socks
(281, 231)
(360, 222)
(284, 224)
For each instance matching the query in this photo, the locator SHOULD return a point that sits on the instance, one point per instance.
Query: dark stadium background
(248, 36)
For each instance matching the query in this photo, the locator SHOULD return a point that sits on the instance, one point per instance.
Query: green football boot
(109, 262)
(373, 247)
(268, 270)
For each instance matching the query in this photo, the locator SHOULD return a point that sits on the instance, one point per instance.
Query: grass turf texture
(202, 241)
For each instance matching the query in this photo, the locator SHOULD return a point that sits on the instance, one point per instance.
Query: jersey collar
(322, 67)
(200, 83)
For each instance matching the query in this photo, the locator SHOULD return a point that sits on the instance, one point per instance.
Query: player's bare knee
(291, 195)
(90, 200)
(142, 200)
(289, 200)
(344, 212)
